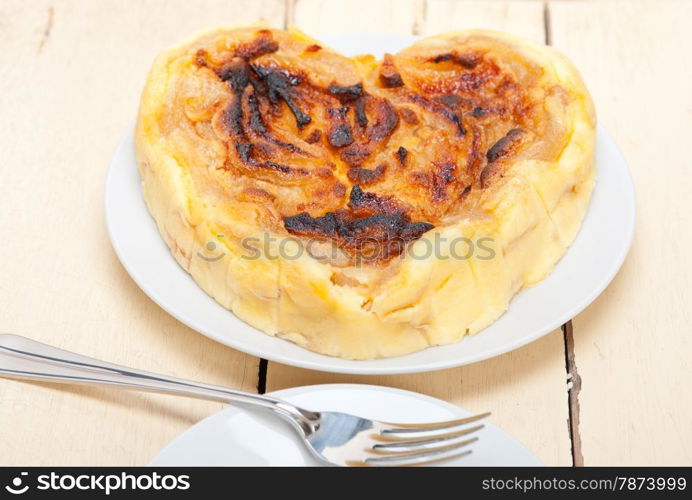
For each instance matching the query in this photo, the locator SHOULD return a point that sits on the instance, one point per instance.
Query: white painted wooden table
(71, 72)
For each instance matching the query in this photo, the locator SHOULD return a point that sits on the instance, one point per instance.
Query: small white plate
(255, 438)
(583, 273)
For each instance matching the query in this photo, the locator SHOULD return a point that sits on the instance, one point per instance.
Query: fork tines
(416, 444)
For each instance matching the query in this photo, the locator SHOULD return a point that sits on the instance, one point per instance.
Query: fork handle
(23, 358)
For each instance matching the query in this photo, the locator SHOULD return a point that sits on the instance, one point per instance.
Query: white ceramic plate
(583, 273)
(253, 437)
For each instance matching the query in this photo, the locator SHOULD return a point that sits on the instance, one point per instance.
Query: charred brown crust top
(468, 61)
(366, 176)
(401, 155)
(348, 93)
(374, 228)
(389, 76)
(504, 146)
(426, 134)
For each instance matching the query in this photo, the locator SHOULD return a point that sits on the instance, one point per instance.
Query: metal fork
(333, 437)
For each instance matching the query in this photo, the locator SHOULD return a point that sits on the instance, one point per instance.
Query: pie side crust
(532, 214)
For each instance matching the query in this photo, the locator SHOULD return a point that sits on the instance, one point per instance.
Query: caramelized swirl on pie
(342, 194)
(355, 151)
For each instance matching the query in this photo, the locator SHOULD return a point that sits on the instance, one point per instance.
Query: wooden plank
(526, 389)
(519, 18)
(72, 74)
(317, 17)
(632, 346)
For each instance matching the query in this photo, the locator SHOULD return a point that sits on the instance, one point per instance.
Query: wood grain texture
(316, 17)
(521, 388)
(519, 18)
(633, 345)
(524, 389)
(72, 74)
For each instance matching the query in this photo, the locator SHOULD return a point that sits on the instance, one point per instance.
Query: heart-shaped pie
(365, 208)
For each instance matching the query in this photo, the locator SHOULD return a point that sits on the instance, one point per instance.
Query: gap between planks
(573, 389)
(573, 378)
(47, 30)
(263, 368)
(567, 329)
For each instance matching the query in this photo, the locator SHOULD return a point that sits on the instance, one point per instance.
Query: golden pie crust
(365, 208)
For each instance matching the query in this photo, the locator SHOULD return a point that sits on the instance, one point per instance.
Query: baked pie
(365, 208)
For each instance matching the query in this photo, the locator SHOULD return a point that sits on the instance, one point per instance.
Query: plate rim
(290, 391)
(352, 366)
